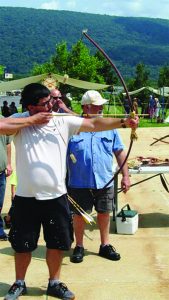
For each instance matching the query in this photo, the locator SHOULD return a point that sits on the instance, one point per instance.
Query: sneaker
(15, 291)
(109, 252)
(3, 237)
(77, 256)
(60, 290)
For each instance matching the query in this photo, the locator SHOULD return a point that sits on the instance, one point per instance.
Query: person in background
(22, 105)
(135, 105)
(5, 171)
(157, 109)
(41, 191)
(58, 104)
(89, 172)
(151, 106)
(13, 109)
(143, 108)
(5, 109)
(126, 106)
(13, 183)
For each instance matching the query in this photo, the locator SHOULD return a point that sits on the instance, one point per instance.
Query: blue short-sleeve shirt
(93, 152)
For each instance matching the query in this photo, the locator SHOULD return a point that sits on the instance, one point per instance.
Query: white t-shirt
(41, 156)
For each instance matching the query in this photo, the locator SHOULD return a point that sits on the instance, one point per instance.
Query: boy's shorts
(29, 214)
(101, 200)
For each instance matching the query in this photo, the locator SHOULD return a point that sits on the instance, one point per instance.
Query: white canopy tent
(20, 83)
(166, 120)
(164, 91)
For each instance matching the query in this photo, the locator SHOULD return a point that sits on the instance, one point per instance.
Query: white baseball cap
(93, 97)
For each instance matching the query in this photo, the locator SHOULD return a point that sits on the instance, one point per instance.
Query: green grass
(153, 123)
(19, 109)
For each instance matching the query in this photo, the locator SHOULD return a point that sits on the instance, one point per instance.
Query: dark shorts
(29, 214)
(101, 200)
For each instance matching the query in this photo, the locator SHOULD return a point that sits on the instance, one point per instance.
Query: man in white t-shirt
(41, 197)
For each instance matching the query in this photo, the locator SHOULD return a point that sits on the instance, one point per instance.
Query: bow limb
(113, 66)
(132, 115)
(133, 134)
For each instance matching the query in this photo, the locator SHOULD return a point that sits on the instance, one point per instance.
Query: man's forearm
(125, 181)
(120, 157)
(101, 124)
(10, 126)
(9, 154)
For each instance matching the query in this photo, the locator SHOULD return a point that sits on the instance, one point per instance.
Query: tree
(60, 58)
(45, 68)
(77, 63)
(163, 79)
(2, 68)
(82, 65)
(106, 69)
(142, 76)
(57, 64)
(140, 80)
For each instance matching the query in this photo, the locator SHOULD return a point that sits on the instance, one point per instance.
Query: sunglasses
(57, 97)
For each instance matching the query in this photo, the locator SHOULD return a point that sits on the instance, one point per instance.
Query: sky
(126, 8)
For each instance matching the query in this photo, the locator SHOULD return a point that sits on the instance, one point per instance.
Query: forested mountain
(30, 36)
